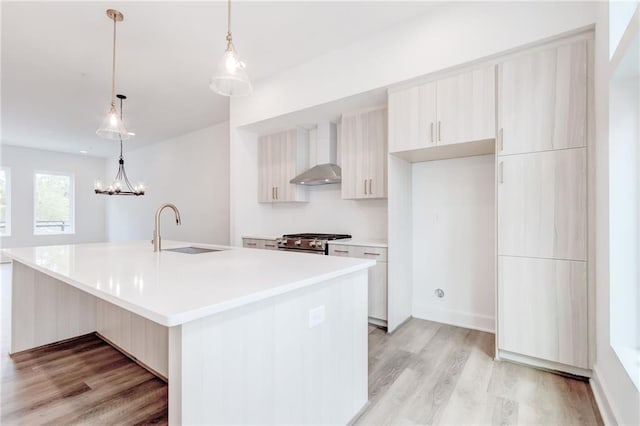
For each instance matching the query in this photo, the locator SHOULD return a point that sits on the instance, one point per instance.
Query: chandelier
(121, 184)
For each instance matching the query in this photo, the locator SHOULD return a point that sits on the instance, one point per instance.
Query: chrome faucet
(157, 241)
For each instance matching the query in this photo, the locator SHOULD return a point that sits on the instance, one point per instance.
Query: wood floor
(430, 373)
(425, 373)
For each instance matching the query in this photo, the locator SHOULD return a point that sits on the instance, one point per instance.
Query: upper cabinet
(457, 109)
(543, 100)
(281, 157)
(363, 154)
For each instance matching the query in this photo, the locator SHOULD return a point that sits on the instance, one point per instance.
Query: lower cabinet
(259, 243)
(543, 309)
(377, 276)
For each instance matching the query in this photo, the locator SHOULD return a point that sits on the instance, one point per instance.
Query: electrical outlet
(316, 316)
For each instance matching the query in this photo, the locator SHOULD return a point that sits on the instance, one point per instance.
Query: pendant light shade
(230, 78)
(112, 126)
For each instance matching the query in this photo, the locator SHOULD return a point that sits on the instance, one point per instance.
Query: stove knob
(312, 243)
(298, 242)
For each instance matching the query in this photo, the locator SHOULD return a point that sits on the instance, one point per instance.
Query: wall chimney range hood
(326, 171)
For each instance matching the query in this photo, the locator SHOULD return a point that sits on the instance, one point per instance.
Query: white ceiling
(56, 61)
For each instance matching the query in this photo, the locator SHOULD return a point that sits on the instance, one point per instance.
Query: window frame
(7, 174)
(72, 207)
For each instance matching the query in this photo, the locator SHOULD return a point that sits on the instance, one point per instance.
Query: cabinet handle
(251, 244)
(501, 138)
(340, 251)
(439, 132)
(372, 254)
(370, 191)
(501, 171)
(365, 187)
(276, 192)
(269, 245)
(273, 193)
(431, 131)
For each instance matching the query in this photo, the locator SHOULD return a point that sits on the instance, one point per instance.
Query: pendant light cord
(113, 69)
(229, 21)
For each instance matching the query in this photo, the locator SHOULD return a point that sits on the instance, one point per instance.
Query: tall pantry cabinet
(542, 205)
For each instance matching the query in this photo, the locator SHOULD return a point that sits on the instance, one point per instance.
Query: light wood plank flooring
(430, 373)
(424, 373)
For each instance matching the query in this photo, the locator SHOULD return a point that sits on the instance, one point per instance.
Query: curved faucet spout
(157, 241)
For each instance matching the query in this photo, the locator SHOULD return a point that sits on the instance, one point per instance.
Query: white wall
(617, 397)
(454, 241)
(89, 207)
(191, 171)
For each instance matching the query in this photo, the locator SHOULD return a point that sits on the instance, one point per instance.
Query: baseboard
(552, 366)
(452, 317)
(600, 395)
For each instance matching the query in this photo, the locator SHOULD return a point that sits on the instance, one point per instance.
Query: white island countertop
(174, 288)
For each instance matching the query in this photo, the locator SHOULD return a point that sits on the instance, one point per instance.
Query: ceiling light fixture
(112, 126)
(230, 78)
(121, 184)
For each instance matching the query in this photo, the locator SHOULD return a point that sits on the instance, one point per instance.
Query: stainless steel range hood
(323, 154)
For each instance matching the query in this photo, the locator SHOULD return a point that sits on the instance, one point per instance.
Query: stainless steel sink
(192, 250)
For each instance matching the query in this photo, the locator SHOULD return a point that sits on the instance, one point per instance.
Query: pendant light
(230, 78)
(121, 184)
(112, 126)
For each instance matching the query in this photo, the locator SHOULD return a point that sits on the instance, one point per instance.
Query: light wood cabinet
(542, 100)
(542, 204)
(377, 275)
(466, 107)
(363, 154)
(543, 309)
(542, 207)
(412, 118)
(281, 157)
(259, 243)
(453, 110)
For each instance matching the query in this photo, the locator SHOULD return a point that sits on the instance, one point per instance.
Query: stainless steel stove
(309, 243)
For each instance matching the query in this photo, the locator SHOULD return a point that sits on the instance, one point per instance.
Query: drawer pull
(372, 254)
(341, 251)
(269, 245)
(251, 244)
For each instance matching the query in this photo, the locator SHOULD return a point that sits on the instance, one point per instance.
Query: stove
(309, 243)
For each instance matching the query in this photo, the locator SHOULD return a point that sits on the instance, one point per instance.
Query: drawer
(252, 243)
(375, 253)
(270, 244)
(361, 252)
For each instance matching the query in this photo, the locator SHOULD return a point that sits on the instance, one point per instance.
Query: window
(5, 202)
(53, 204)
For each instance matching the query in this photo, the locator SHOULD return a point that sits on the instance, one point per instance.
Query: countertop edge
(185, 317)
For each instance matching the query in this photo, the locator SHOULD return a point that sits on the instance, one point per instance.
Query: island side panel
(45, 310)
(264, 364)
(143, 339)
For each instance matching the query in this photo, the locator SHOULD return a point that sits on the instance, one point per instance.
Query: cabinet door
(374, 135)
(542, 204)
(412, 118)
(466, 107)
(543, 100)
(281, 157)
(363, 148)
(265, 183)
(542, 309)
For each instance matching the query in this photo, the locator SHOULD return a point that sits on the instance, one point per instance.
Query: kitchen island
(241, 335)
